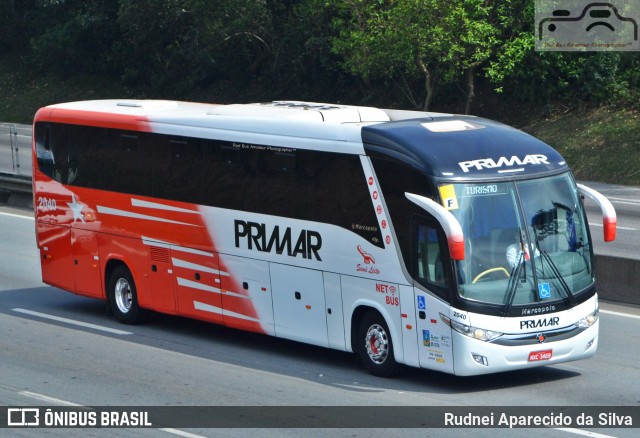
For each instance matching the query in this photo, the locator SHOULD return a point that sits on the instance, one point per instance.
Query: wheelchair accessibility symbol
(544, 290)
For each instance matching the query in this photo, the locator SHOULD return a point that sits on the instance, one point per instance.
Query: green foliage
(418, 53)
(74, 36)
(181, 44)
(600, 145)
(435, 40)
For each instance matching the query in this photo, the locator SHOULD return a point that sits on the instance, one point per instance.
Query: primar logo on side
(489, 163)
(256, 236)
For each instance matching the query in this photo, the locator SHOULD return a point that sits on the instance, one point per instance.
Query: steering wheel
(489, 271)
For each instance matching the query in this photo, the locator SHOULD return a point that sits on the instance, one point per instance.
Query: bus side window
(278, 191)
(225, 168)
(176, 167)
(84, 165)
(342, 197)
(43, 149)
(127, 163)
(59, 143)
(428, 265)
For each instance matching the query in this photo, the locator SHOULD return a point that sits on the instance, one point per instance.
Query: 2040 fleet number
(47, 204)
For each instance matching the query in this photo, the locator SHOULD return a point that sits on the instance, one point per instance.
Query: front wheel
(123, 296)
(375, 347)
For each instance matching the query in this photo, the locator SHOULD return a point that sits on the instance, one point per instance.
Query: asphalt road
(626, 201)
(59, 349)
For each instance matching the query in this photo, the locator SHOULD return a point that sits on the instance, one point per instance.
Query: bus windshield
(526, 242)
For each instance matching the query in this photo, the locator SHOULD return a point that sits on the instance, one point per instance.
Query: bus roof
(443, 145)
(302, 125)
(462, 147)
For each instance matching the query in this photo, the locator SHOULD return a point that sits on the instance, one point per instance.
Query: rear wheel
(375, 347)
(123, 296)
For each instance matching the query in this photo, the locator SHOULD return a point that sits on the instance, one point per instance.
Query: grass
(600, 144)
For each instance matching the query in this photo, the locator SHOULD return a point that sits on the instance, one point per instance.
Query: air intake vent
(160, 254)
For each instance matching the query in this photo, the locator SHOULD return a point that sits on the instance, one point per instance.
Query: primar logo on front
(538, 323)
(256, 236)
(490, 163)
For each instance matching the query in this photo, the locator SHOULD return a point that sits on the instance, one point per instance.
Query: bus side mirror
(609, 218)
(449, 223)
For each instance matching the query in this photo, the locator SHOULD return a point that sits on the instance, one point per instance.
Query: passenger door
(428, 268)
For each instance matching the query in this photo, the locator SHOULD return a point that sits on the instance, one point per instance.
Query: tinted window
(307, 185)
(44, 154)
(229, 176)
(428, 256)
(342, 196)
(395, 180)
(177, 168)
(419, 235)
(87, 156)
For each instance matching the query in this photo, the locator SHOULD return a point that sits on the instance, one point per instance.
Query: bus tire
(123, 296)
(375, 347)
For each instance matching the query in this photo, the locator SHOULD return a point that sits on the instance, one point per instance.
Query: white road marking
(583, 432)
(181, 433)
(46, 398)
(623, 201)
(2, 213)
(626, 315)
(617, 226)
(72, 321)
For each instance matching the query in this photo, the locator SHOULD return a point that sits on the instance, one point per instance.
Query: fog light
(589, 344)
(481, 359)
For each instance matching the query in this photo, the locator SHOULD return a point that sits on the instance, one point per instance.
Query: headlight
(589, 320)
(472, 332)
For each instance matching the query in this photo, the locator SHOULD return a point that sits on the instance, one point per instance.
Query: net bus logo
(583, 25)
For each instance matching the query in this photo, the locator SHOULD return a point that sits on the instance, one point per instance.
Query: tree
(177, 45)
(441, 41)
(73, 35)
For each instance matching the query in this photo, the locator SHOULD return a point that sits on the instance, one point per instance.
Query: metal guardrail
(15, 165)
(15, 149)
(15, 183)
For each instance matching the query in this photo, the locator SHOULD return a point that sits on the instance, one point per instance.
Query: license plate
(540, 355)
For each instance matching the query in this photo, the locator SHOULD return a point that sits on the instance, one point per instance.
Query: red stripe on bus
(128, 122)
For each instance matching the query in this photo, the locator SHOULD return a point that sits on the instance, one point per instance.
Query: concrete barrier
(618, 278)
(16, 190)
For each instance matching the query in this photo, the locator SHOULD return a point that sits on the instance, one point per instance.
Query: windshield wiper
(556, 272)
(513, 283)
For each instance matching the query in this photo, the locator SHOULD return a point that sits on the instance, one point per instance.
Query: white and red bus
(444, 242)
